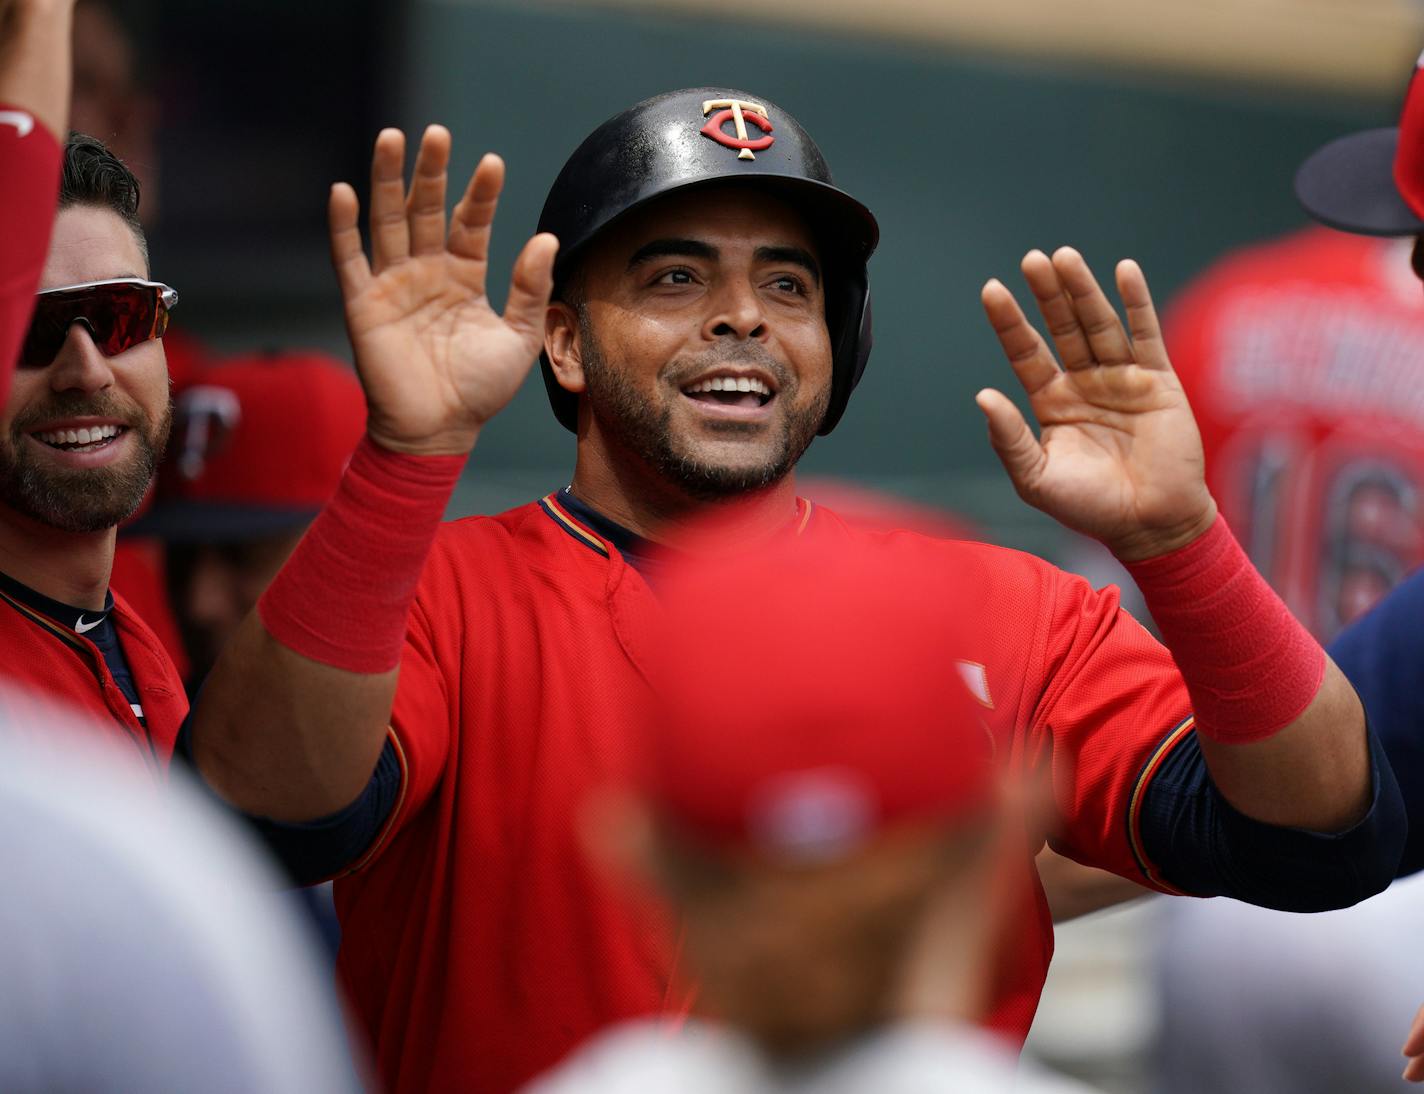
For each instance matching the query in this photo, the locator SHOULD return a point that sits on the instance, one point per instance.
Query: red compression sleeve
(1250, 667)
(343, 597)
(29, 192)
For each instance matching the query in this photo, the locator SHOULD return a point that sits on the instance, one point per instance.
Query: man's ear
(564, 346)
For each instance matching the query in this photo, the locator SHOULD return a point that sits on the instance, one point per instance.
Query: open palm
(436, 360)
(1119, 457)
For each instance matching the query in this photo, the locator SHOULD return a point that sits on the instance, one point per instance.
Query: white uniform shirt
(143, 943)
(649, 1056)
(1255, 1000)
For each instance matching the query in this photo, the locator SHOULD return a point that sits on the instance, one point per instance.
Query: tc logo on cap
(740, 112)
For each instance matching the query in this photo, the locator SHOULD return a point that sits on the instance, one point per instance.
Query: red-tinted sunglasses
(119, 315)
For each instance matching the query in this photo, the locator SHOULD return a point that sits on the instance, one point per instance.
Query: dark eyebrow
(797, 256)
(664, 248)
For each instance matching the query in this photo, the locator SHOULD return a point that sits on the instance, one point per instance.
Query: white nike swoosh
(20, 120)
(81, 627)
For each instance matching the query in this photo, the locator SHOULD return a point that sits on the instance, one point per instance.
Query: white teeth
(731, 383)
(78, 436)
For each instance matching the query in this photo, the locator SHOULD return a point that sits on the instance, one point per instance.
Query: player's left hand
(1120, 458)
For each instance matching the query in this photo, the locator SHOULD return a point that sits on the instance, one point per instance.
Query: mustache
(746, 354)
(68, 404)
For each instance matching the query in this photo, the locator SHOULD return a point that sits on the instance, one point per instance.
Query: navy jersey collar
(78, 620)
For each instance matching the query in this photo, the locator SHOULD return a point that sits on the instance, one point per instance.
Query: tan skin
(87, 244)
(1120, 459)
(731, 266)
(910, 927)
(221, 583)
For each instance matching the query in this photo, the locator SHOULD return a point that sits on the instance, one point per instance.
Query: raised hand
(436, 361)
(1119, 457)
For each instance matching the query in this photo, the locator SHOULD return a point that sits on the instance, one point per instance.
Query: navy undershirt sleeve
(315, 850)
(1205, 847)
(1382, 654)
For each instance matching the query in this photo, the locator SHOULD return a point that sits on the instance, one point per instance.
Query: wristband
(1250, 667)
(343, 597)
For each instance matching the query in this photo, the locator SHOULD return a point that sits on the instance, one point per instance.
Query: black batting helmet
(705, 135)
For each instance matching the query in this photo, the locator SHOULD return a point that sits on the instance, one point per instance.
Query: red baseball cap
(259, 444)
(810, 697)
(1371, 182)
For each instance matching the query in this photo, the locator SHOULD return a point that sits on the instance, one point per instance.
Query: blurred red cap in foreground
(809, 698)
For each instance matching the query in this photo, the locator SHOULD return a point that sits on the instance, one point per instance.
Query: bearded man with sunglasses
(81, 434)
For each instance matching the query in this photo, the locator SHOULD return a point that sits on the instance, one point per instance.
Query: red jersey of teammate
(1301, 359)
(48, 658)
(478, 944)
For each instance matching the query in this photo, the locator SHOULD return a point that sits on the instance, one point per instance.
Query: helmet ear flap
(850, 328)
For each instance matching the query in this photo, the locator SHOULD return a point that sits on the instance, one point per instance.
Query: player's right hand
(436, 361)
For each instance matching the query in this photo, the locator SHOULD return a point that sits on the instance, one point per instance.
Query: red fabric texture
(1409, 157)
(828, 721)
(343, 596)
(1301, 358)
(50, 659)
(479, 944)
(1250, 667)
(29, 192)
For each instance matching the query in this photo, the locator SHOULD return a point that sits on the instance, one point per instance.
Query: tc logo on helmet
(739, 111)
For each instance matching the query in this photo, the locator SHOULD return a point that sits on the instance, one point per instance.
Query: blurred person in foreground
(259, 444)
(81, 433)
(142, 947)
(1315, 1003)
(436, 702)
(34, 103)
(836, 838)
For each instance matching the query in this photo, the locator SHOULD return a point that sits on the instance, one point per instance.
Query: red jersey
(29, 192)
(1302, 360)
(478, 944)
(47, 658)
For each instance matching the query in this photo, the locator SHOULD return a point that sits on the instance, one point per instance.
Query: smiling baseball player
(423, 708)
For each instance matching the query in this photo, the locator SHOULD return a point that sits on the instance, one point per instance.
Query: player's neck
(71, 567)
(634, 495)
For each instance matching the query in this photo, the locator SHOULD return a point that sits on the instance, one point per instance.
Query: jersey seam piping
(1139, 795)
(573, 527)
(389, 826)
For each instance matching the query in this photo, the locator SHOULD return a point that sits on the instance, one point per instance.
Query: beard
(81, 499)
(640, 426)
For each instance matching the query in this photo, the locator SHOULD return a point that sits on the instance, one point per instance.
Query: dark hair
(93, 175)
